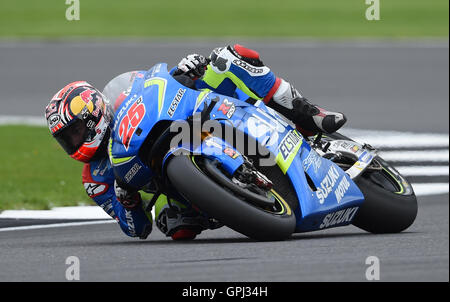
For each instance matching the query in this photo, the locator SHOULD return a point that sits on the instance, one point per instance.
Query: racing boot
(308, 118)
(179, 221)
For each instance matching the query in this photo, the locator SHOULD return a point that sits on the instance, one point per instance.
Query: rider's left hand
(193, 65)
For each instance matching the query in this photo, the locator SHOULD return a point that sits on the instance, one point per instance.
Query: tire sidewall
(384, 211)
(211, 198)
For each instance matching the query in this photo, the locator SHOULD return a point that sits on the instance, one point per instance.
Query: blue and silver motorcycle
(244, 166)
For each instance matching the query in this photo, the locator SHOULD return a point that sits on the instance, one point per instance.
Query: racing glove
(194, 65)
(129, 200)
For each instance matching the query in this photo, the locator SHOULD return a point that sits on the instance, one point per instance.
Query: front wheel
(390, 205)
(189, 176)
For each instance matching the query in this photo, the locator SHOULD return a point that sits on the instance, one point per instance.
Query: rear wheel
(267, 218)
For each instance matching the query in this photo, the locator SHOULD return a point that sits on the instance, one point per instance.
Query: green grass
(236, 18)
(35, 173)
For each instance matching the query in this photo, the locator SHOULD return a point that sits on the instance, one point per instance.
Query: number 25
(130, 122)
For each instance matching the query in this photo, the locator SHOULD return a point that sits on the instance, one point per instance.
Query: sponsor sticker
(313, 159)
(94, 189)
(339, 217)
(365, 157)
(210, 142)
(288, 148)
(108, 208)
(130, 223)
(176, 100)
(247, 67)
(355, 148)
(51, 108)
(230, 152)
(327, 184)
(132, 172)
(101, 168)
(86, 95)
(53, 120)
(341, 189)
(227, 108)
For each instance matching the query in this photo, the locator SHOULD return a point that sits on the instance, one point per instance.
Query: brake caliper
(262, 181)
(249, 177)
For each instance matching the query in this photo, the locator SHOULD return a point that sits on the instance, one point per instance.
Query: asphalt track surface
(382, 86)
(420, 254)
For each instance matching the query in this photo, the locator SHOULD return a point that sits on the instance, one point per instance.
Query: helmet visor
(72, 137)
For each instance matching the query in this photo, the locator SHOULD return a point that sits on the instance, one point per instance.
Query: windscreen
(116, 89)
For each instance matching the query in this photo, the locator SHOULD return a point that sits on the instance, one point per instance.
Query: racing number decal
(136, 113)
(131, 121)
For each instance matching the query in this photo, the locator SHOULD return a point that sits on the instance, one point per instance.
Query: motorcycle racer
(80, 117)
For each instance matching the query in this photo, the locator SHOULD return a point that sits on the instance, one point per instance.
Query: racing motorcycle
(276, 183)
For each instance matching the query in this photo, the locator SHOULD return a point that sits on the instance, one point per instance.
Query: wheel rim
(390, 180)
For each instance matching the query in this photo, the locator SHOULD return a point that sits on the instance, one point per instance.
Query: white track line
(416, 156)
(423, 170)
(80, 212)
(396, 139)
(23, 120)
(421, 189)
(56, 225)
(426, 189)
